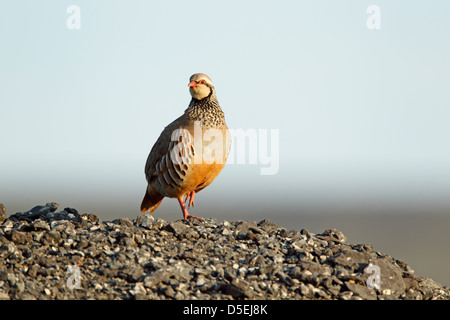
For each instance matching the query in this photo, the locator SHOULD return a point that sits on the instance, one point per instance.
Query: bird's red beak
(192, 84)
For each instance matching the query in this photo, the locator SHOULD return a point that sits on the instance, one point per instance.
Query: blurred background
(362, 114)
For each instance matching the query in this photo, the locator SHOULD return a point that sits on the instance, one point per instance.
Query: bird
(190, 152)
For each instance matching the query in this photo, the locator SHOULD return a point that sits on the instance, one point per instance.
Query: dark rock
(256, 260)
(181, 272)
(168, 291)
(314, 267)
(36, 212)
(304, 232)
(3, 274)
(391, 277)
(238, 289)
(357, 262)
(110, 271)
(247, 235)
(90, 217)
(285, 278)
(181, 230)
(51, 238)
(157, 277)
(82, 243)
(38, 225)
(365, 246)
(345, 295)
(244, 225)
(139, 292)
(123, 222)
(19, 237)
(131, 273)
(155, 264)
(332, 235)
(8, 250)
(267, 269)
(267, 226)
(351, 259)
(2, 213)
(361, 291)
(145, 221)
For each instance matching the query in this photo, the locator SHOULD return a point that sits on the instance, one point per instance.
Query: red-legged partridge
(190, 152)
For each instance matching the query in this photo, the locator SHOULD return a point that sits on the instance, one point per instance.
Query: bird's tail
(151, 201)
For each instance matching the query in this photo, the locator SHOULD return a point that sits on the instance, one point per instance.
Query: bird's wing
(161, 148)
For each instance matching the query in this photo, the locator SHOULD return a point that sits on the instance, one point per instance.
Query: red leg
(186, 214)
(191, 197)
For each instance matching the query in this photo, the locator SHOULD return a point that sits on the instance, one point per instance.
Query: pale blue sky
(363, 115)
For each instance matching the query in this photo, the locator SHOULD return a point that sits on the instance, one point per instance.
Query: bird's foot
(188, 216)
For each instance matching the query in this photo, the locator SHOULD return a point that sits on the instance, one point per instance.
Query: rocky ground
(51, 254)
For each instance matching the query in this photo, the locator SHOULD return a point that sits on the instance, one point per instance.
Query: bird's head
(200, 86)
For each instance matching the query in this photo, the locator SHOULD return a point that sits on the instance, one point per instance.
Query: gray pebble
(2, 213)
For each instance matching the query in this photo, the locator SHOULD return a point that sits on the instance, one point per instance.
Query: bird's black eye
(202, 81)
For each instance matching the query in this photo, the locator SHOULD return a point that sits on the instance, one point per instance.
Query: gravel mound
(50, 254)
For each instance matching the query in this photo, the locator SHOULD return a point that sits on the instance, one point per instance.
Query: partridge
(190, 152)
